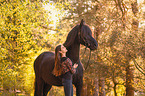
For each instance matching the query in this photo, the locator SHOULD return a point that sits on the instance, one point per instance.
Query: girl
(63, 68)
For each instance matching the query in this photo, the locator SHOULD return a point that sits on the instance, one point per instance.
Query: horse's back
(43, 67)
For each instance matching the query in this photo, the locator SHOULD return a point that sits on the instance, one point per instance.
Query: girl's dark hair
(57, 67)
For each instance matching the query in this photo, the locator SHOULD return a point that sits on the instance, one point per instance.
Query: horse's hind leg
(46, 89)
(36, 90)
(39, 87)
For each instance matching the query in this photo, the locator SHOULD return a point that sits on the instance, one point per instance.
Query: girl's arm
(70, 67)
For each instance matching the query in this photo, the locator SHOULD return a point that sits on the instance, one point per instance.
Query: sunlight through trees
(30, 27)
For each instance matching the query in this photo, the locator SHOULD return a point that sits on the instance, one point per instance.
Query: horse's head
(85, 36)
(81, 34)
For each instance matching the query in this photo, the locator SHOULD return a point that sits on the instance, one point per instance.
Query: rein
(88, 61)
(79, 34)
(83, 54)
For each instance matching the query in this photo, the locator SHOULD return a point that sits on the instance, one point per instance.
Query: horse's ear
(82, 23)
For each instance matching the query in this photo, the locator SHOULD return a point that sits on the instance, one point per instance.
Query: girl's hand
(75, 65)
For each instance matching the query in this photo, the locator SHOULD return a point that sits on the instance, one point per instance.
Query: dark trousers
(68, 87)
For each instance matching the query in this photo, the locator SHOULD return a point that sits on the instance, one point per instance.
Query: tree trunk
(84, 90)
(96, 87)
(129, 81)
(102, 86)
(114, 88)
(115, 84)
(88, 87)
(129, 69)
(99, 80)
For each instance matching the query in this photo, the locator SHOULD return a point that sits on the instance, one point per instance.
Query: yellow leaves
(18, 46)
(120, 90)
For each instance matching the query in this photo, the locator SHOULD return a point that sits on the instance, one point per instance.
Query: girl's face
(63, 49)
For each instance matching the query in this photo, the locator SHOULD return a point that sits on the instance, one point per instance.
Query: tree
(114, 69)
(118, 43)
(21, 36)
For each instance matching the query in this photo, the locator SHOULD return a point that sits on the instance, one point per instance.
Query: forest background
(30, 27)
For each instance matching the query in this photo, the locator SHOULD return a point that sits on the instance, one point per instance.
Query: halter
(79, 37)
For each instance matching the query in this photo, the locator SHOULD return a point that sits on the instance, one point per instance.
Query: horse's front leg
(79, 86)
(78, 82)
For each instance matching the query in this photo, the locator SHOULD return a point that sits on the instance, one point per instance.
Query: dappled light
(31, 27)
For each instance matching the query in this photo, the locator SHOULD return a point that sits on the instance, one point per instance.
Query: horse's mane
(71, 36)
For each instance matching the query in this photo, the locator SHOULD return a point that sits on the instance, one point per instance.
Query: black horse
(44, 63)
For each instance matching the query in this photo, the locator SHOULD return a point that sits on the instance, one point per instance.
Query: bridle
(86, 43)
(80, 37)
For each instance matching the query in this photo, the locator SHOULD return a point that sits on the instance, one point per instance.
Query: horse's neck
(73, 52)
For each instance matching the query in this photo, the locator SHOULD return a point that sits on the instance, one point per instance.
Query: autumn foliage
(30, 27)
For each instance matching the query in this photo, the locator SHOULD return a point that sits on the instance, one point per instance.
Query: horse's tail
(36, 66)
(35, 88)
(36, 70)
